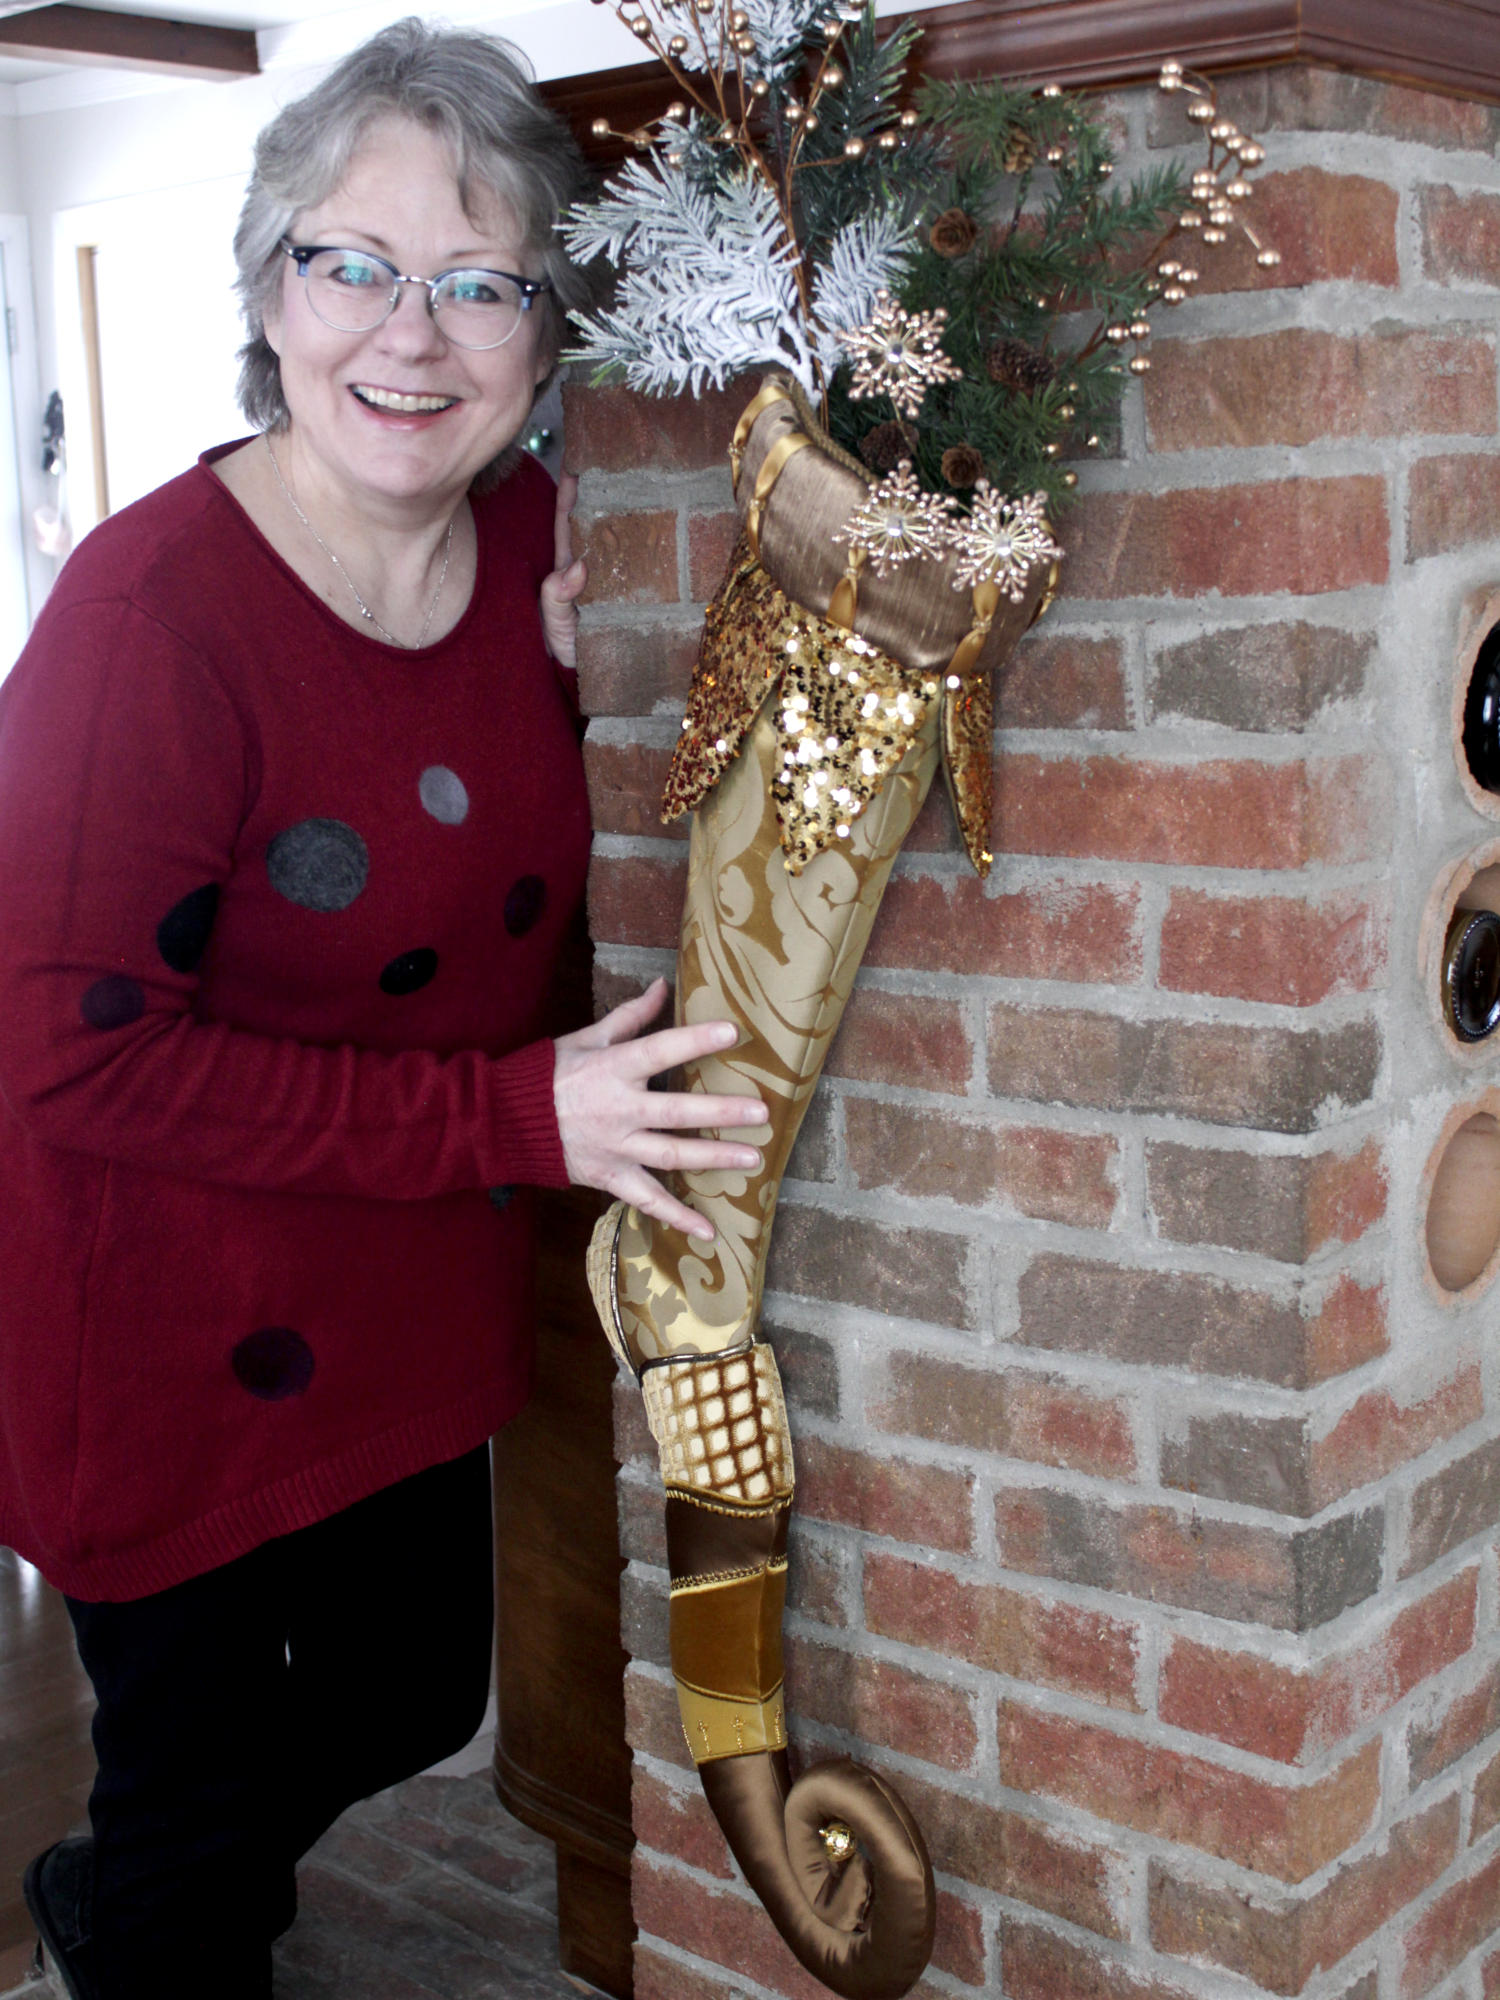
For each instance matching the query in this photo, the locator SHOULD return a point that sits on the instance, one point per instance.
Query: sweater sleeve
(125, 774)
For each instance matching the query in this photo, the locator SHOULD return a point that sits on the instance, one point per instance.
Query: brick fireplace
(1147, 1419)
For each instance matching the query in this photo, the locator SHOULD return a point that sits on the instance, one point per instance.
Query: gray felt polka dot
(113, 1002)
(444, 794)
(319, 864)
(502, 1197)
(273, 1363)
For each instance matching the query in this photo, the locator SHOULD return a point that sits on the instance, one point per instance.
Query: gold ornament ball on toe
(838, 1841)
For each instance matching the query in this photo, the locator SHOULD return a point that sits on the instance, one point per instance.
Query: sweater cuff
(522, 1142)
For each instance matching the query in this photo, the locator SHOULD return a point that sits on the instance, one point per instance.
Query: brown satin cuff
(715, 1538)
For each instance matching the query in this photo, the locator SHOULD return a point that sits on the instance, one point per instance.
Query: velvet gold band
(716, 1727)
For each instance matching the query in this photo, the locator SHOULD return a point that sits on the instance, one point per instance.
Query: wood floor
(46, 1759)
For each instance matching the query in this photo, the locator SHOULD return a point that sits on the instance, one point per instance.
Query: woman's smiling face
(400, 414)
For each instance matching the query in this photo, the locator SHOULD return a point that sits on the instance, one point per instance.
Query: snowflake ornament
(898, 354)
(1003, 541)
(897, 521)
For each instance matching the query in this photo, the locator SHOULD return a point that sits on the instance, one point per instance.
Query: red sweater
(279, 907)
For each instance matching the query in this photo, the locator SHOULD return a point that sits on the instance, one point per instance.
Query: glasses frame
(531, 289)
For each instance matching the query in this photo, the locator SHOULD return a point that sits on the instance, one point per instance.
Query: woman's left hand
(561, 590)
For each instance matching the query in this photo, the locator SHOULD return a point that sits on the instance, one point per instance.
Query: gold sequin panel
(845, 716)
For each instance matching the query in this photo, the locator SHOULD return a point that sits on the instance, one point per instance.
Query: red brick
(1281, 1463)
(1435, 1742)
(1305, 97)
(1229, 1569)
(1276, 1829)
(660, 1978)
(1061, 680)
(881, 1703)
(653, 1725)
(628, 669)
(1453, 1505)
(1261, 677)
(1270, 1078)
(926, 1504)
(710, 539)
(643, 1528)
(913, 1039)
(1283, 950)
(1461, 1919)
(725, 1928)
(1173, 1319)
(1327, 227)
(1012, 1412)
(1487, 1803)
(676, 1820)
(1281, 1205)
(1035, 1171)
(636, 902)
(1081, 932)
(918, 1273)
(625, 784)
(1451, 503)
(1218, 814)
(1305, 536)
(1281, 1943)
(958, 1947)
(1293, 1715)
(994, 1848)
(1379, 1433)
(1460, 236)
(1041, 1965)
(632, 556)
(1348, 1331)
(1009, 1632)
(1299, 385)
(617, 430)
(817, 1579)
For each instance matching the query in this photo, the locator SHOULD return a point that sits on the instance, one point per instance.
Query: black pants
(240, 1713)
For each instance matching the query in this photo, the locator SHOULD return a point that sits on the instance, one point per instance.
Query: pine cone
(883, 448)
(1020, 368)
(953, 233)
(963, 466)
(1020, 152)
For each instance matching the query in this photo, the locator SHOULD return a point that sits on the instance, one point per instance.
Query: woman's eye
(473, 288)
(354, 272)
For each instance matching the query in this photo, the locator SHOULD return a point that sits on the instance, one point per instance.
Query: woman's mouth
(398, 400)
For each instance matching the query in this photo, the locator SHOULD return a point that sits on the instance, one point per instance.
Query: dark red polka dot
(113, 1002)
(273, 1363)
(524, 904)
(411, 971)
(183, 933)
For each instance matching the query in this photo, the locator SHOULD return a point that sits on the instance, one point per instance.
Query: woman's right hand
(614, 1128)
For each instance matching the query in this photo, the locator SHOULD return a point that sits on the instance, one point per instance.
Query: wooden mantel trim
(94, 35)
(1446, 45)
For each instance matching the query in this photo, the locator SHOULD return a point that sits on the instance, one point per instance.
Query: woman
(292, 821)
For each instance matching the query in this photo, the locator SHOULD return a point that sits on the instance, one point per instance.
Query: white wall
(10, 164)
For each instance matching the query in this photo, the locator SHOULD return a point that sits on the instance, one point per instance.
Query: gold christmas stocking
(772, 936)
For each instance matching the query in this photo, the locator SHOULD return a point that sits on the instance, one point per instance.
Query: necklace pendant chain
(365, 612)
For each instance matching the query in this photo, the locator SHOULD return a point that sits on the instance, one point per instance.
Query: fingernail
(749, 1158)
(728, 1034)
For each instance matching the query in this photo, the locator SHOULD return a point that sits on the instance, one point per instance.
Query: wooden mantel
(1445, 45)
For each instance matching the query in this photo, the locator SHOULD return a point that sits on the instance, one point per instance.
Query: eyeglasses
(354, 291)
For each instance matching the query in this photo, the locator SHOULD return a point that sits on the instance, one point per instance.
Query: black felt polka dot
(444, 794)
(112, 1002)
(502, 1197)
(319, 864)
(524, 904)
(411, 971)
(183, 933)
(273, 1363)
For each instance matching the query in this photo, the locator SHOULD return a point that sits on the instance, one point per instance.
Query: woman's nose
(411, 326)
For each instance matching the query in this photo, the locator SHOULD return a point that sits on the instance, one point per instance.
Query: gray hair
(471, 90)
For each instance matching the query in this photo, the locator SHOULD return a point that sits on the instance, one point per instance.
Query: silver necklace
(365, 611)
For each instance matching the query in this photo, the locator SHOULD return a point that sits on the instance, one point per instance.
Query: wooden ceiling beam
(93, 36)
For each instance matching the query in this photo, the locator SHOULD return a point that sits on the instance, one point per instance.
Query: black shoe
(58, 1887)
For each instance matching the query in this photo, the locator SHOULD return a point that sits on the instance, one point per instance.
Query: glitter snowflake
(897, 520)
(898, 354)
(1003, 541)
